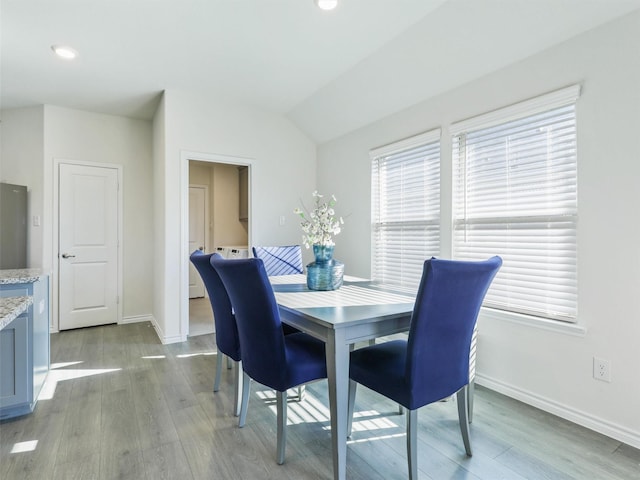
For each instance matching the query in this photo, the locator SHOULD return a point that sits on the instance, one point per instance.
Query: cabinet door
(16, 290)
(243, 214)
(14, 364)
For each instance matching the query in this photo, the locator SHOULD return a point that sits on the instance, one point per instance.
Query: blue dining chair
(433, 363)
(269, 357)
(281, 260)
(227, 341)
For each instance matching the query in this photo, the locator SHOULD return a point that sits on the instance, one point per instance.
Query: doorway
(226, 223)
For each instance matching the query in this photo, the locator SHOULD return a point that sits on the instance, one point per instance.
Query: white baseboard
(589, 421)
(164, 339)
(125, 320)
(137, 319)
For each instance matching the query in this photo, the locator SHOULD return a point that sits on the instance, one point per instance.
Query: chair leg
(412, 443)
(281, 405)
(228, 363)
(470, 394)
(463, 410)
(237, 396)
(300, 392)
(216, 382)
(246, 388)
(353, 385)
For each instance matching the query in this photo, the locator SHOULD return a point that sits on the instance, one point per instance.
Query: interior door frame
(55, 227)
(185, 157)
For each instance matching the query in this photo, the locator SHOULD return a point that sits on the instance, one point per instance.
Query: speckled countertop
(11, 307)
(21, 275)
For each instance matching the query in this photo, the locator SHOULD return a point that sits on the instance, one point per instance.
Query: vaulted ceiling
(329, 72)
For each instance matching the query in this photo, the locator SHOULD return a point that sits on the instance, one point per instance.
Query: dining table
(360, 310)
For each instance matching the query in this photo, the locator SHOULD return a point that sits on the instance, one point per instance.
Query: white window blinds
(515, 195)
(405, 208)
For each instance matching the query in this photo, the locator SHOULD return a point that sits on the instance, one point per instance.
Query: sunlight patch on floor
(379, 437)
(310, 409)
(55, 376)
(22, 447)
(64, 364)
(371, 420)
(189, 355)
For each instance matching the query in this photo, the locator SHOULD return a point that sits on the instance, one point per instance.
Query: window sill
(535, 322)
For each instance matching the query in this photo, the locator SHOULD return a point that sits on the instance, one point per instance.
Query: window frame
(406, 277)
(506, 116)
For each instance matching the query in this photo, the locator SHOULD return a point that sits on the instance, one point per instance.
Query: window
(405, 208)
(515, 195)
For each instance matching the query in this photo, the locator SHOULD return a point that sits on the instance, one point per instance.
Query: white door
(197, 228)
(88, 246)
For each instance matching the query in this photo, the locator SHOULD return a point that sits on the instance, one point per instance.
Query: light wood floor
(119, 405)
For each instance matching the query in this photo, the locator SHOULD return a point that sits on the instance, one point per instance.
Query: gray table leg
(338, 378)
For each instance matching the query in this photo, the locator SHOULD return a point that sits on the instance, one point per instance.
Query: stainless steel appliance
(13, 226)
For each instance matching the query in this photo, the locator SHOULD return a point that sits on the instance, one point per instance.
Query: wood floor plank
(532, 467)
(80, 469)
(119, 427)
(152, 413)
(81, 431)
(124, 464)
(167, 462)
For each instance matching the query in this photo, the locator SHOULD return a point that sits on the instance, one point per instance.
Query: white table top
(355, 301)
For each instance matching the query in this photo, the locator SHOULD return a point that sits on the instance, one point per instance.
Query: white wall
(548, 368)
(91, 137)
(159, 228)
(21, 153)
(283, 166)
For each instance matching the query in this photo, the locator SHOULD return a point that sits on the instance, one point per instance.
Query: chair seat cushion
(305, 360)
(382, 367)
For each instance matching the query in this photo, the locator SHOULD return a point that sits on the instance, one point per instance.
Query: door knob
(66, 255)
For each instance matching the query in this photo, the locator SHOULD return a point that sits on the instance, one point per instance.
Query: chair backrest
(226, 330)
(447, 305)
(258, 320)
(283, 260)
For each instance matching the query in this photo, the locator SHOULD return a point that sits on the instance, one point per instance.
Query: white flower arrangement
(320, 224)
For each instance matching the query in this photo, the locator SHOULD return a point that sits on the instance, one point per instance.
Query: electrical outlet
(601, 369)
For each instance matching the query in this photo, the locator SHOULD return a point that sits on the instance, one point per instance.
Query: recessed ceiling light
(327, 4)
(62, 51)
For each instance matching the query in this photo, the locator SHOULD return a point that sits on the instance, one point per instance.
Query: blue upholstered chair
(227, 340)
(269, 357)
(433, 363)
(282, 260)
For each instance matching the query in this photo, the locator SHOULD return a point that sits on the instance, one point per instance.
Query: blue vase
(323, 253)
(325, 273)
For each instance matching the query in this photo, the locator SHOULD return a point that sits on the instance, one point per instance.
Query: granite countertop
(21, 275)
(11, 307)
